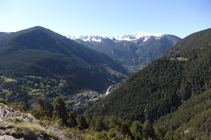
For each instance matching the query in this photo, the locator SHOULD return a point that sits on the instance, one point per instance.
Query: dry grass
(180, 59)
(24, 129)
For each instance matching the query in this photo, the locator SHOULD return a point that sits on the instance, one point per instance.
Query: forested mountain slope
(196, 40)
(161, 87)
(42, 54)
(192, 118)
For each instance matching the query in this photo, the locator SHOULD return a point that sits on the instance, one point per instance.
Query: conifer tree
(125, 129)
(88, 118)
(136, 129)
(71, 120)
(41, 111)
(82, 122)
(147, 130)
(99, 123)
(160, 132)
(60, 112)
(168, 136)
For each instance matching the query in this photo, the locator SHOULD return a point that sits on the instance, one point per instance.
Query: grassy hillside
(160, 88)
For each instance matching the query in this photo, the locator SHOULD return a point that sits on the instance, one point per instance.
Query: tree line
(108, 127)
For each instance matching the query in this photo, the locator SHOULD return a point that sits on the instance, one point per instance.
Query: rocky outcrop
(16, 125)
(7, 113)
(7, 137)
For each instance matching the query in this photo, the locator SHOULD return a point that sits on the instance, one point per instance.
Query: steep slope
(41, 52)
(191, 118)
(160, 88)
(196, 40)
(132, 51)
(17, 124)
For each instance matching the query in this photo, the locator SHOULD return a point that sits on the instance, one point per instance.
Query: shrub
(2, 101)
(52, 135)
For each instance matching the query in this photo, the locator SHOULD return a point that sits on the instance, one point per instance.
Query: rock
(17, 114)
(9, 116)
(7, 137)
(1, 120)
(30, 116)
(7, 112)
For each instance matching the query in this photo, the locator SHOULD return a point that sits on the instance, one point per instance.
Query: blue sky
(107, 17)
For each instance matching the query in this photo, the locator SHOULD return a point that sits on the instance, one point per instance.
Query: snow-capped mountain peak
(89, 37)
(137, 36)
(133, 37)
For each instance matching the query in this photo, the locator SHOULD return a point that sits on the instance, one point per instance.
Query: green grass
(36, 92)
(8, 79)
(34, 77)
(70, 101)
(5, 90)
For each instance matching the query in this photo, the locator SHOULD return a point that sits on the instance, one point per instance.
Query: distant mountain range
(132, 51)
(132, 38)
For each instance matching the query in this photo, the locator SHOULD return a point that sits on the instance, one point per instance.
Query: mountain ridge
(38, 54)
(4, 34)
(133, 37)
(197, 40)
(133, 54)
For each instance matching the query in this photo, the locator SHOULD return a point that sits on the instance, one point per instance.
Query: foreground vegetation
(65, 125)
(190, 121)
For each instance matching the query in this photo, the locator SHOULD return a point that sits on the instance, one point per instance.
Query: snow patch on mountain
(133, 37)
(89, 37)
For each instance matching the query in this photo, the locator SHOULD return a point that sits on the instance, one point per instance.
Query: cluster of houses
(91, 96)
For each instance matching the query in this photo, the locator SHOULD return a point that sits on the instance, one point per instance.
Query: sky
(107, 17)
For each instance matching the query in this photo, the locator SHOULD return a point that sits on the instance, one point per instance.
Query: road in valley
(107, 92)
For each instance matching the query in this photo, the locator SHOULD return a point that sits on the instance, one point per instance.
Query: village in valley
(86, 96)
